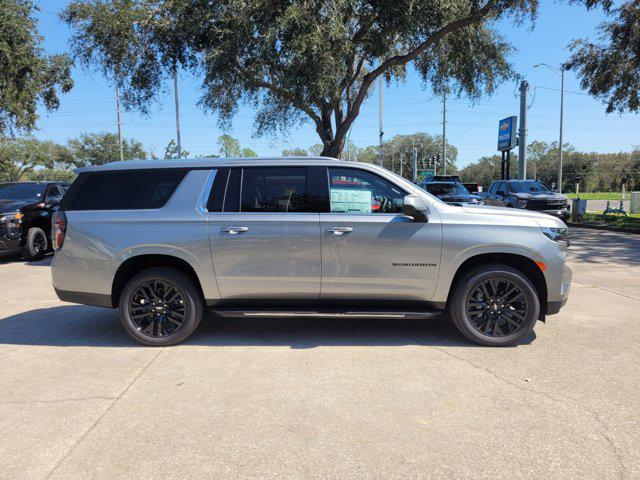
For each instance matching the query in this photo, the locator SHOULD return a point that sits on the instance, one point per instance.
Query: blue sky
(407, 107)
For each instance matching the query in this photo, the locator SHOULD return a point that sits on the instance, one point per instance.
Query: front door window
(359, 191)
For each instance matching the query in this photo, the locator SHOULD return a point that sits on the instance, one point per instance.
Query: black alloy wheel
(157, 309)
(496, 307)
(161, 306)
(39, 244)
(36, 244)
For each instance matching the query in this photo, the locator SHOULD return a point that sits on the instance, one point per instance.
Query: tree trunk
(333, 149)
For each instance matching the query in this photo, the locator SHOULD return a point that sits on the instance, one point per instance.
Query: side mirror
(500, 192)
(53, 200)
(415, 206)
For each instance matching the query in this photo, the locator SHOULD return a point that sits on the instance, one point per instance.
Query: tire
(37, 244)
(499, 324)
(155, 324)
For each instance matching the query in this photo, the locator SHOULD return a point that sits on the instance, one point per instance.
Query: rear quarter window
(124, 189)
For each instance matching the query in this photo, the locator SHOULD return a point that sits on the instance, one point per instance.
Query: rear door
(370, 250)
(265, 233)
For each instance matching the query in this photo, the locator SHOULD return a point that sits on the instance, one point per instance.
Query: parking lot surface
(339, 399)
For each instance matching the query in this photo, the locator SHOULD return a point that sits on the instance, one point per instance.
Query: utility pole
(561, 116)
(560, 73)
(522, 137)
(444, 132)
(401, 162)
(119, 125)
(415, 164)
(175, 90)
(381, 135)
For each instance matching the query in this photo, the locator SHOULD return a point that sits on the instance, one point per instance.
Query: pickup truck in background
(526, 194)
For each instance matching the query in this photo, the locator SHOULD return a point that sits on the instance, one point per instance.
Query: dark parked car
(452, 192)
(527, 194)
(26, 209)
(439, 178)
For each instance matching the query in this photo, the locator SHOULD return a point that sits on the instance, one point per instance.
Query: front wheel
(160, 306)
(494, 305)
(36, 245)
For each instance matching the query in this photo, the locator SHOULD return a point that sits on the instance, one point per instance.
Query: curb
(595, 226)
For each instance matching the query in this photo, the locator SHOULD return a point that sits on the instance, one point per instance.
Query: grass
(599, 195)
(615, 220)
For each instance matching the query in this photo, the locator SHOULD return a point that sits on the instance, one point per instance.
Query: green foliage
(27, 75)
(596, 172)
(101, 148)
(295, 61)
(171, 151)
(487, 169)
(610, 69)
(295, 152)
(400, 149)
(230, 147)
(46, 174)
(19, 157)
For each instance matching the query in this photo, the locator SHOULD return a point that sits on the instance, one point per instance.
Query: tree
(19, 157)
(295, 152)
(171, 151)
(229, 146)
(296, 61)
(101, 148)
(610, 68)
(27, 76)
(247, 152)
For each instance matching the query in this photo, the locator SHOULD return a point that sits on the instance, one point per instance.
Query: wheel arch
(522, 263)
(136, 264)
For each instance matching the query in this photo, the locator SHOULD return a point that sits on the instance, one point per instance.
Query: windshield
(20, 191)
(446, 189)
(527, 187)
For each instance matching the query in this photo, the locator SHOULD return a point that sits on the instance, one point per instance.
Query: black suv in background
(26, 209)
(452, 192)
(527, 194)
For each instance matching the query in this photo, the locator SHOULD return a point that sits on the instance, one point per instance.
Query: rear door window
(276, 189)
(126, 189)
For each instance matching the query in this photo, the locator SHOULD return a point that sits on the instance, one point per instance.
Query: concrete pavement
(302, 398)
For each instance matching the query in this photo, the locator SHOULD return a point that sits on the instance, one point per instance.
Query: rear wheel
(494, 305)
(36, 245)
(160, 306)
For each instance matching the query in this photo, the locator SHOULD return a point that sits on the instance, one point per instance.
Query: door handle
(234, 230)
(339, 230)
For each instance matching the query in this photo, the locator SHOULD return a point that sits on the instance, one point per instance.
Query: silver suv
(162, 240)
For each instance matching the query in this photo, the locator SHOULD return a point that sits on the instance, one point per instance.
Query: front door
(265, 240)
(370, 250)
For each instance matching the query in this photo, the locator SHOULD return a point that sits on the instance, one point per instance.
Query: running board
(323, 313)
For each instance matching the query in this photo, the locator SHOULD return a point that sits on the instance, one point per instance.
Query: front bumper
(10, 240)
(558, 296)
(562, 214)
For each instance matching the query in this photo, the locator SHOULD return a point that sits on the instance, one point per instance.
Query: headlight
(12, 217)
(522, 203)
(556, 234)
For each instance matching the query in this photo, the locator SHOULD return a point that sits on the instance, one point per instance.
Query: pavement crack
(107, 410)
(560, 398)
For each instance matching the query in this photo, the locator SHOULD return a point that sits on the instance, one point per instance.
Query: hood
(542, 219)
(460, 198)
(540, 196)
(13, 205)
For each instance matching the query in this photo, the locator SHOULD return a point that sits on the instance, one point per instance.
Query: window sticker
(346, 200)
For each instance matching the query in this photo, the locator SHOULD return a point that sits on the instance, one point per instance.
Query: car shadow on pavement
(43, 262)
(601, 246)
(77, 325)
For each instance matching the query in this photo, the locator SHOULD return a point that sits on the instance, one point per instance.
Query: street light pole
(560, 73)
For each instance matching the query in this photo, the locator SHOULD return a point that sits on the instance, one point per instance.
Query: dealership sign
(507, 133)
